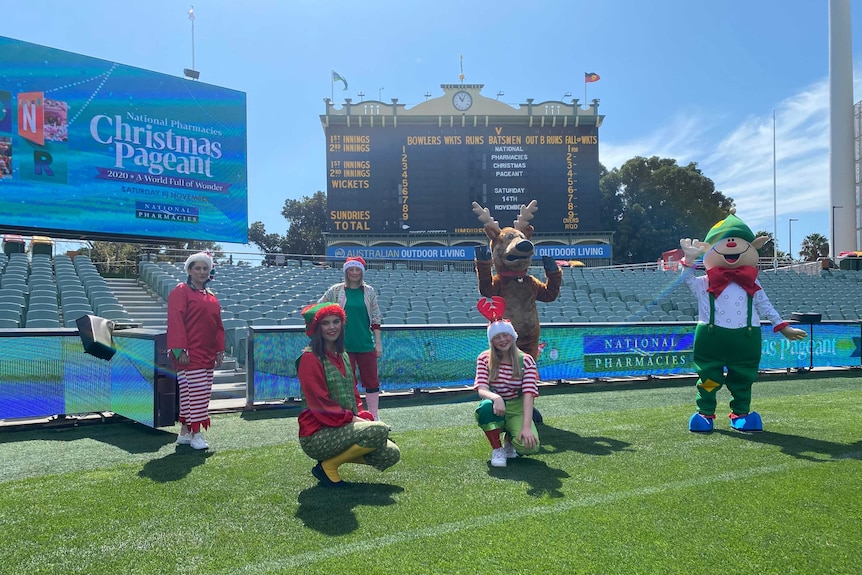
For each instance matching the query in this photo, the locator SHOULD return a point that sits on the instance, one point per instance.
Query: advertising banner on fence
(460, 253)
(92, 148)
(428, 357)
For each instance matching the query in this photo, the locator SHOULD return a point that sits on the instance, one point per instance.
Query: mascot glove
(692, 249)
(483, 254)
(549, 263)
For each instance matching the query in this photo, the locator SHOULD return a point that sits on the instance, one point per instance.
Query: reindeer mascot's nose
(524, 246)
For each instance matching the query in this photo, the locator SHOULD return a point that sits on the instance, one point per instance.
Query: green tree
(307, 221)
(268, 243)
(768, 249)
(112, 258)
(814, 246)
(650, 203)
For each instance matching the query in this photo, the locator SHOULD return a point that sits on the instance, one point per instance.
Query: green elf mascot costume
(730, 304)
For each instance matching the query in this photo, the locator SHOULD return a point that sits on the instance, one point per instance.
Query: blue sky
(697, 81)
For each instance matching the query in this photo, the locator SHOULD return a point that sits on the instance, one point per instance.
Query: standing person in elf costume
(362, 332)
(730, 304)
(196, 344)
(333, 428)
(506, 380)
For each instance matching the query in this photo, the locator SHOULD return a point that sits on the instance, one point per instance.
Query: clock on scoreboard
(422, 179)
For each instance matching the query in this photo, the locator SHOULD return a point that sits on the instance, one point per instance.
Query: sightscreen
(423, 179)
(92, 148)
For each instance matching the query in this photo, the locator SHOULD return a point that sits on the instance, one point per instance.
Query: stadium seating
(43, 323)
(415, 296)
(235, 330)
(11, 315)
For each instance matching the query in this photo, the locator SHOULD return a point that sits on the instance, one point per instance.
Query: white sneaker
(198, 441)
(184, 439)
(498, 457)
(510, 450)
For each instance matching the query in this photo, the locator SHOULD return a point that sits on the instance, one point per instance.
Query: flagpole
(192, 12)
(774, 200)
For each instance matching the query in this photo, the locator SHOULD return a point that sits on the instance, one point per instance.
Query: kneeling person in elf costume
(333, 427)
(506, 380)
(730, 304)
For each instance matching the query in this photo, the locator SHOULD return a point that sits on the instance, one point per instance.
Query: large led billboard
(95, 149)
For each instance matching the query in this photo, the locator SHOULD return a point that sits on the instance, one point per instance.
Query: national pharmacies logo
(624, 353)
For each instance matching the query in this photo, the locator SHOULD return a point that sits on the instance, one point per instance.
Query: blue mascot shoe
(750, 422)
(700, 424)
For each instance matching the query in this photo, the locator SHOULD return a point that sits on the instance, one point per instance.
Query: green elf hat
(315, 312)
(731, 226)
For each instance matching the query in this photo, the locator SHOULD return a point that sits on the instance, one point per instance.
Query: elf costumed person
(731, 304)
(362, 331)
(506, 380)
(196, 344)
(333, 427)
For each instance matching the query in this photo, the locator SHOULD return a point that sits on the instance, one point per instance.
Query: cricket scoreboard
(422, 179)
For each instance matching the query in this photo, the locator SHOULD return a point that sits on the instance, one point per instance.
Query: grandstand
(41, 291)
(275, 295)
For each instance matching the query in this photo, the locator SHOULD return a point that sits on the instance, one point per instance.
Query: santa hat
(354, 262)
(317, 311)
(501, 326)
(493, 311)
(199, 257)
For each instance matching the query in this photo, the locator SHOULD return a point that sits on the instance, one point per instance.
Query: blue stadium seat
(11, 315)
(43, 323)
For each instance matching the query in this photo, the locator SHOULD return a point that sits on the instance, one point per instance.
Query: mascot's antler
(492, 310)
(522, 222)
(492, 226)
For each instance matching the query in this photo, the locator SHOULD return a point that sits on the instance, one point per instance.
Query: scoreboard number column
(405, 189)
(571, 219)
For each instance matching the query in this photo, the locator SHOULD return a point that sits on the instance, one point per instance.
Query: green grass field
(620, 487)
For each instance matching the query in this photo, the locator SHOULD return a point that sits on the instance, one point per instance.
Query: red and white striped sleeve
(481, 371)
(531, 376)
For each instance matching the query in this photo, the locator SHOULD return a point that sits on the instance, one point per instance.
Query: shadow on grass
(544, 481)
(123, 434)
(174, 466)
(330, 511)
(555, 440)
(801, 447)
(271, 411)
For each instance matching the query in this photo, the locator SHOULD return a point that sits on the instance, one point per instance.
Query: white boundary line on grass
(311, 557)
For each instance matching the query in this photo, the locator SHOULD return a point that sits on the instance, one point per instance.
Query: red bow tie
(745, 276)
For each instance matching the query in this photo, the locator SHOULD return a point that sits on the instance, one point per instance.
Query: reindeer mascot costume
(730, 304)
(511, 254)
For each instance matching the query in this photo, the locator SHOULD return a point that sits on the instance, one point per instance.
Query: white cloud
(741, 161)
(681, 138)
(742, 165)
